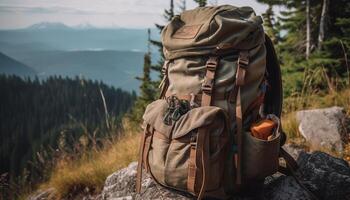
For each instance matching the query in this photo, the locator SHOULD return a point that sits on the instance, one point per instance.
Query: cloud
(48, 10)
(123, 13)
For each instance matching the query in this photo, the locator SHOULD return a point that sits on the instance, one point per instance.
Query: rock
(293, 149)
(323, 129)
(121, 186)
(325, 176)
(284, 187)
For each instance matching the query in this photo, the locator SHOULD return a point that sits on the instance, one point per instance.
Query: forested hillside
(11, 66)
(312, 39)
(36, 116)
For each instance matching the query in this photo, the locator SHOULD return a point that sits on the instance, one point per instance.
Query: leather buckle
(207, 86)
(243, 62)
(164, 70)
(243, 59)
(193, 141)
(212, 63)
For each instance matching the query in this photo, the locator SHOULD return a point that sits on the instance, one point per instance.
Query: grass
(88, 173)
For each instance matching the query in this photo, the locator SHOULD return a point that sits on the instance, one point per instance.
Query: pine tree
(147, 89)
(168, 15)
(315, 42)
(270, 24)
(201, 3)
(182, 6)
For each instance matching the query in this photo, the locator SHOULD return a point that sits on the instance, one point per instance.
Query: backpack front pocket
(189, 151)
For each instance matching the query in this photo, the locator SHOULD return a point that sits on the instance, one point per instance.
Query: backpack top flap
(202, 30)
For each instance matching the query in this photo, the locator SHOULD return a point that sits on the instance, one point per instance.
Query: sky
(98, 13)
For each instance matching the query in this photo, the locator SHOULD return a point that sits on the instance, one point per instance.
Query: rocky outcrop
(121, 185)
(326, 177)
(323, 129)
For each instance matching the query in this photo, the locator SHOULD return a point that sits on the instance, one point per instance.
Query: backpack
(221, 76)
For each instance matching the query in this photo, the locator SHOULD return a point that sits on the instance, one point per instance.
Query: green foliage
(147, 92)
(149, 88)
(201, 3)
(326, 68)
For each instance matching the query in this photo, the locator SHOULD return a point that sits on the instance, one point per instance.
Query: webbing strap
(242, 63)
(209, 81)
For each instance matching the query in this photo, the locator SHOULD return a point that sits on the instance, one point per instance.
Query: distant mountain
(61, 37)
(48, 26)
(116, 68)
(11, 66)
(114, 56)
(84, 26)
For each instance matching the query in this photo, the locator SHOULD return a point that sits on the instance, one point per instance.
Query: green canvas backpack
(221, 75)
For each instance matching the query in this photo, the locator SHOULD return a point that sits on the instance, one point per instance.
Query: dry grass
(89, 172)
(291, 105)
(318, 100)
(290, 125)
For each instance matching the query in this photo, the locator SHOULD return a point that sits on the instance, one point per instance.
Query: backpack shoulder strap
(274, 98)
(274, 93)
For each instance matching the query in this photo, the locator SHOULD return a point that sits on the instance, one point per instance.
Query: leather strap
(202, 154)
(164, 84)
(192, 166)
(290, 169)
(239, 127)
(140, 161)
(197, 153)
(291, 164)
(242, 64)
(147, 146)
(209, 81)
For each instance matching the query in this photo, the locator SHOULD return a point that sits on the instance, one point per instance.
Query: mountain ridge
(11, 66)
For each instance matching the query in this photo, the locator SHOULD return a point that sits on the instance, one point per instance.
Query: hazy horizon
(134, 14)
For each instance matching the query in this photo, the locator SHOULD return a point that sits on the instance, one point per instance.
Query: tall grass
(88, 172)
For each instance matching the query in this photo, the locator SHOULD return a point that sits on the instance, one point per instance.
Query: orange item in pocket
(263, 129)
